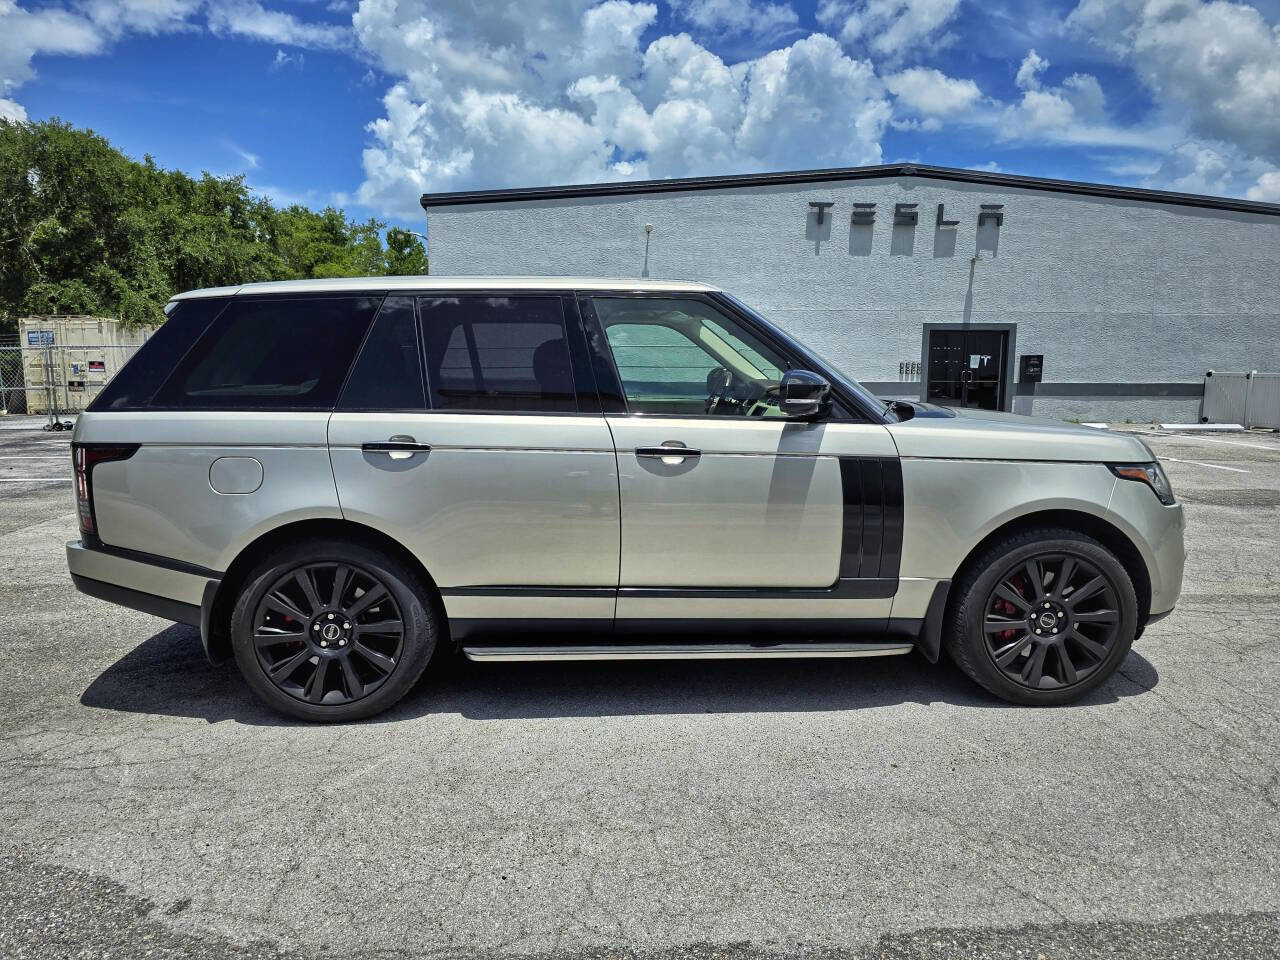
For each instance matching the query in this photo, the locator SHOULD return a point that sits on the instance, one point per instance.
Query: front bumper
(163, 588)
(1157, 531)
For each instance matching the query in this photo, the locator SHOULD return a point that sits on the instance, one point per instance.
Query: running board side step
(687, 651)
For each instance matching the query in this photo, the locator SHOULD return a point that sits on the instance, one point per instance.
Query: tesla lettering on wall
(905, 214)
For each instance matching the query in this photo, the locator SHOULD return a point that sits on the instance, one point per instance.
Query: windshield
(846, 383)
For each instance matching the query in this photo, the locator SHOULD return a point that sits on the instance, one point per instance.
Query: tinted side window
(137, 382)
(497, 353)
(388, 373)
(273, 353)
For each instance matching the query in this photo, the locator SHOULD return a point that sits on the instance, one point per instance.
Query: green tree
(85, 229)
(406, 255)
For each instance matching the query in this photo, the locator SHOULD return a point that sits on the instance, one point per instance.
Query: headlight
(1152, 474)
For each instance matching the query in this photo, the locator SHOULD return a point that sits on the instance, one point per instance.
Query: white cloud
(247, 18)
(283, 60)
(758, 17)
(1267, 188)
(1216, 65)
(1128, 165)
(483, 100)
(11, 111)
(1195, 167)
(1072, 112)
(611, 35)
(48, 30)
(249, 160)
(931, 92)
(116, 17)
(890, 28)
(1029, 71)
(1213, 167)
(1085, 95)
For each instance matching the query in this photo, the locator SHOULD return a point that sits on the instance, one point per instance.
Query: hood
(989, 435)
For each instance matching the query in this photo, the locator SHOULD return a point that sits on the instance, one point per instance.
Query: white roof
(432, 283)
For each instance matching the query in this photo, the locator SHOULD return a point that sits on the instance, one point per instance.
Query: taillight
(86, 456)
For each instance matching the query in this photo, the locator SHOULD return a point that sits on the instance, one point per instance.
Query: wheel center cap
(1048, 620)
(331, 632)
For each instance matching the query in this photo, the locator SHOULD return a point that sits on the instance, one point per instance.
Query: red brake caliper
(1007, 609)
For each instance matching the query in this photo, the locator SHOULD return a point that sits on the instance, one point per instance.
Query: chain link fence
(56, 380)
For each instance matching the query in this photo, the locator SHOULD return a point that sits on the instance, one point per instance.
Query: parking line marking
(1233, 443)
(35, 479)
(1211, 466)
(51, 456)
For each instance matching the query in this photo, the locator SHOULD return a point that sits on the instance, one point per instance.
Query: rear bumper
(161, 607)
(155, 585)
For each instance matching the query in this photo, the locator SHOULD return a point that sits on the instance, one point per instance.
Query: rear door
(729, 509)
(470, 431)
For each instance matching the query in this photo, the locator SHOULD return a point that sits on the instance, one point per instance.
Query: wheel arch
(217, 636)
(1105, 532)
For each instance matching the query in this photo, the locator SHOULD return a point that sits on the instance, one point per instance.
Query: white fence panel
(1251, 399)
(1263, 408)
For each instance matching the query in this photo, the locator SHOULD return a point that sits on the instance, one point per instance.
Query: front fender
(952, 505)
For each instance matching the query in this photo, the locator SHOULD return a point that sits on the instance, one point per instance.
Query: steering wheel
(719, 381)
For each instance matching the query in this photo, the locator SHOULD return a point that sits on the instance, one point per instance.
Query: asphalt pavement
(860, 808)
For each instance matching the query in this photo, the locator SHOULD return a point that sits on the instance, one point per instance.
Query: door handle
(398, 447)
(673, 449)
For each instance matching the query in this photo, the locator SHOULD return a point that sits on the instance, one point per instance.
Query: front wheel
(332, 631)
(1043, 617)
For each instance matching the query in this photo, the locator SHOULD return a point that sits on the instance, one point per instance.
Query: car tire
(381, 630)
(1062, 640)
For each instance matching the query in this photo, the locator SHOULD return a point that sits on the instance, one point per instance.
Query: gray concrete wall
(1110, 291)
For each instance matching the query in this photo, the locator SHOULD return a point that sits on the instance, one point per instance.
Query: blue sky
(367, 105)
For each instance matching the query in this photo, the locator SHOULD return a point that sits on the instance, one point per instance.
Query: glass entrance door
(966, 368)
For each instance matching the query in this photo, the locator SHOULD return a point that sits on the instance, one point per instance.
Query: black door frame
(1007, 380)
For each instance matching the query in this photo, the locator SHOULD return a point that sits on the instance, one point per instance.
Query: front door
(726, 505)
(493, 468)
(966, 368)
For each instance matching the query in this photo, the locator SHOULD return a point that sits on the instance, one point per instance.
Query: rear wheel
(1043, 617)
(331, 631)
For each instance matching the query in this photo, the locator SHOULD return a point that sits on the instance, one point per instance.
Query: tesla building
(1063, 299)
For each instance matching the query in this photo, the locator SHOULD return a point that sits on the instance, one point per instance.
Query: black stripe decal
(872, 515)
(851, 545)
(873, 518)
(891, 557)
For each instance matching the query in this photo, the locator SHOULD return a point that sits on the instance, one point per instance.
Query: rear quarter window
(272, 353)
(138, 380)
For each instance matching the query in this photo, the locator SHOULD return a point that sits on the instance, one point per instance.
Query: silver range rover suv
(338, 480)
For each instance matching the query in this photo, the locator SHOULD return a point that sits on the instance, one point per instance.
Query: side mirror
(803, 394)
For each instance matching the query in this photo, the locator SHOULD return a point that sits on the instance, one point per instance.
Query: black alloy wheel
(328, 633)
(1051, 621)
(332, 631)
(1042, 616)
